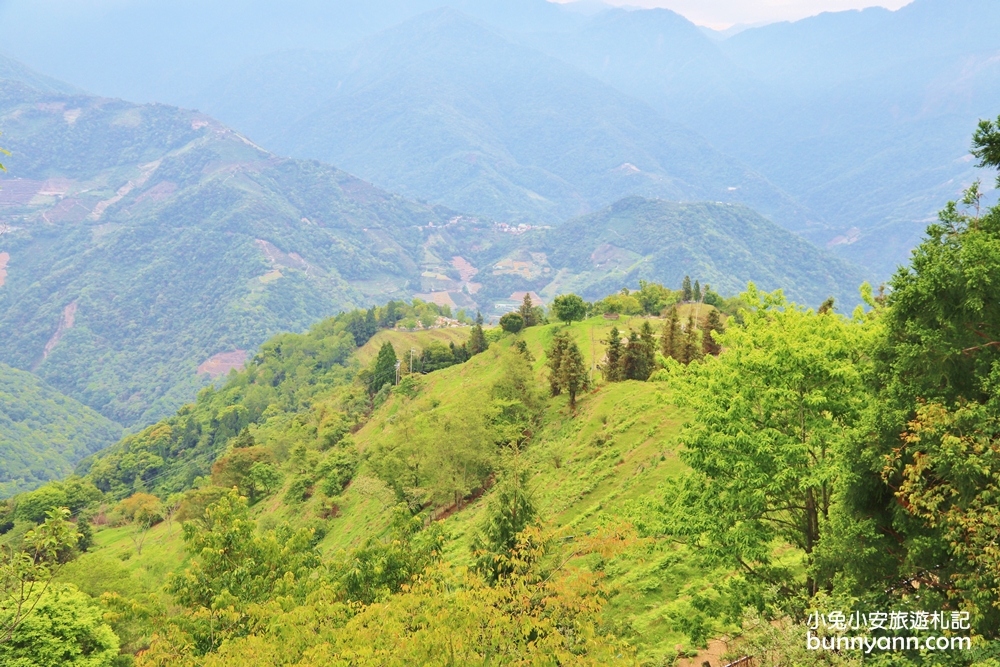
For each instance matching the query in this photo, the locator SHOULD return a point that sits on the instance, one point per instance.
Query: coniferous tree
(613, 360)
(371, 324)
(636, 363)
(648, 341)
(696, 293)
(385, 368)
(572, 372)
(510, 511)
(560, 342)
(686, 292)
(527, 311)
(670, 339)
(713, 326)
(477, 339)
(691, 348)
(826, 306)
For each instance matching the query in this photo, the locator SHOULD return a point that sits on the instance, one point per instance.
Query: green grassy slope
(43, 433)
(585, 467)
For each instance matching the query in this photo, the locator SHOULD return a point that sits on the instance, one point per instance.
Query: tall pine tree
(713, 326)
(696, 293)
(637, 363)
(613, 360)
(385, 368)
(670, 338)
(686, 291)
(527, 311)
(572, 372)
(560, 342)
(477, 339)
(691, 350)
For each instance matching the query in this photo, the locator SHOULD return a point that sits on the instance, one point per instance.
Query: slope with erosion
(585, 468)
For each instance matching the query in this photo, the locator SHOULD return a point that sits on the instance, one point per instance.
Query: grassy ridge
(585, 469)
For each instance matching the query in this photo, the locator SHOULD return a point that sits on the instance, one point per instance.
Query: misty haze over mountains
(850, 128)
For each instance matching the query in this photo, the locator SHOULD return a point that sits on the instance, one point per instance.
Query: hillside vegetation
(609, 489)
(43, 434)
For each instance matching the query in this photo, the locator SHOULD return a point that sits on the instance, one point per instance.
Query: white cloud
(724, 13)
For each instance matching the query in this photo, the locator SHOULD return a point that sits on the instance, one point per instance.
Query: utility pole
(411, 359)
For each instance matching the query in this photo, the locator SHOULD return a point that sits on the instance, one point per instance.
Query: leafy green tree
(380, 568)
(771, 418)
(922, 486)
(986, 144)
(653, 297)
(613, 357)
(435, 356)
(477, 339)
(527, 311)
(27, 570)
(384, 371)
(234, 567)
(686, 292)
(512, 322)
(142, 511)
(569, 308)
(670, 337)
(66, 629)
(510, 510)
(709, 338)
(262, 478)
(516, 404)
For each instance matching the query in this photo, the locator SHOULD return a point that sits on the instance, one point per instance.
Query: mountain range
(855, 122)
(150, 248)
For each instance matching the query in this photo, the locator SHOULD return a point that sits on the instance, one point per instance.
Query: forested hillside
(145, 240)
(149, 249)
(658, 477)
(726, 245)
(43, 434)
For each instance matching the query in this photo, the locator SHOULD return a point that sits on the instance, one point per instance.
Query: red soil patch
(465, 269)
(4, 258)
(18, 191)
(66, 322)
(223, 362)
(535, 299)
(68, 210)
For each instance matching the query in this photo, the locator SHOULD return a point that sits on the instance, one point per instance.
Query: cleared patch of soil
(439, 298)
(66, 322)
(535, 299)
(220, 364)
(18, 191)
(711, 655)
(465, 269)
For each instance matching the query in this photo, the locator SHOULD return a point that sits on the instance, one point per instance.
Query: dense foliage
(43, 433)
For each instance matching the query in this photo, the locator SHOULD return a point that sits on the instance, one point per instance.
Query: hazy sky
(724, 13)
